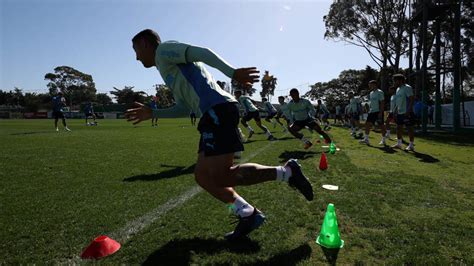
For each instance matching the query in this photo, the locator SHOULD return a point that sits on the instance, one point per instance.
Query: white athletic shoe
(410, 148)
(57, 129)
(66, 129)
(382, 143)
(397, 146)
(364, 141)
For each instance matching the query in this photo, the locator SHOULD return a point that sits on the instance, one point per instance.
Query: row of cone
(329, 236)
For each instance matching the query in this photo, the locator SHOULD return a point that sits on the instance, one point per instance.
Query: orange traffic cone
(323, 163)
(102, 246)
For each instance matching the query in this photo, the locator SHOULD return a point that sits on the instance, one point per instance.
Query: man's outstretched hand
(246, 76)
(139, 113)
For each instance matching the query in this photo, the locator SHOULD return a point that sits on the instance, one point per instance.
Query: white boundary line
(135, 226)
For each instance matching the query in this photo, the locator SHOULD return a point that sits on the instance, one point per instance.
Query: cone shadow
(330, 254)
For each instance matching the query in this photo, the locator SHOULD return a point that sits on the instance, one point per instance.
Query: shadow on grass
(386, 149)
(291, 257)
(461, 139)
(425, 158)
(179, 251)
(32, 133)
(174, 172)
(330, 254)
(300, 155)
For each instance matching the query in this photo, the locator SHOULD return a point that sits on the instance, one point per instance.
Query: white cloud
(287, 7)
(281, 28)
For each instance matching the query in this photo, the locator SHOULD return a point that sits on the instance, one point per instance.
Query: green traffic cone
(329, 236)
(332, 148)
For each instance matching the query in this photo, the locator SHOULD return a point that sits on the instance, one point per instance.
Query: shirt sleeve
(173, 52)
(208, 57)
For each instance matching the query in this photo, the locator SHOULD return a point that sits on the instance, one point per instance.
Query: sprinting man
(89, 112)
(404, 111)
(355, 108)
(182, 67)
(192, 115)
(271, 113)
(324, 112)
(338, 116)
(300, 110)
(251, 112)
(376, 111)
(390, 116)
(284, 112)
(154, 110)
(58, 103)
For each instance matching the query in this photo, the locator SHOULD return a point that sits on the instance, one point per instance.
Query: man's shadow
(32, 133)
(425, 158)
(179, 252)
(175, 171)
(385, 148)
(300, 155)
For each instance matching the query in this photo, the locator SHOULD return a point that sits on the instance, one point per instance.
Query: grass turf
(60, 190)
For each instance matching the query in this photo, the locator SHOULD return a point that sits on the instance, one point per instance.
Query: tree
(379, 28)
(103, 98)
(269, 83)
(77, 86)
(127, 96)
(164, 96)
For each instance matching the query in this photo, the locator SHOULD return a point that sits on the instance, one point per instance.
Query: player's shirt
(323, 109)
(58, 103)
(401, 98)
(354, 105)
(347, 109)
(392, 103)
(285, 111)
(88, 109)
(190, 82)
(153, 105)
(300, 110)
(375, 97)
(338, 110)
(247, 104)
(269, 107)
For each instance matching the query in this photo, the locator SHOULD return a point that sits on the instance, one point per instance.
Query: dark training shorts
(58, 114)
(374, 117)
(309, 122)
(255, 115)
(407, 119)
(219, 130)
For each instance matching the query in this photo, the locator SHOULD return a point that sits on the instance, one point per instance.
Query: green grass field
(58, 191)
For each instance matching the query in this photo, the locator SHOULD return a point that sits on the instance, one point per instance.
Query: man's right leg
(399, 136)
(294, 130)
(218, 176)
(244, 123)
(264, 128)
(56, 123)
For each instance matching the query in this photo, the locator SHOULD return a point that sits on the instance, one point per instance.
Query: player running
(300, 110)
(182, 67)
(251, 112)
(58, 103)
(271, 113)
(324, 113)
(89, 112)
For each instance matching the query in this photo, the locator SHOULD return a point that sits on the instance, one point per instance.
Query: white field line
(135, 226)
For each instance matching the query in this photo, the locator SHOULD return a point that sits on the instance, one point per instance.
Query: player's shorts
(407, 119)
(89, 114)
(339, 117)
(154, 113)
(271, 115)
(192, 115)
(255, 115)
(374, 117)
(58, 114)
(309, 122)
(219, 130)
(390, 117)
(325, 116)
(355, 116)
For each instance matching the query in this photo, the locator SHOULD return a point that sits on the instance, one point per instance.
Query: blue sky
(94, 36)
